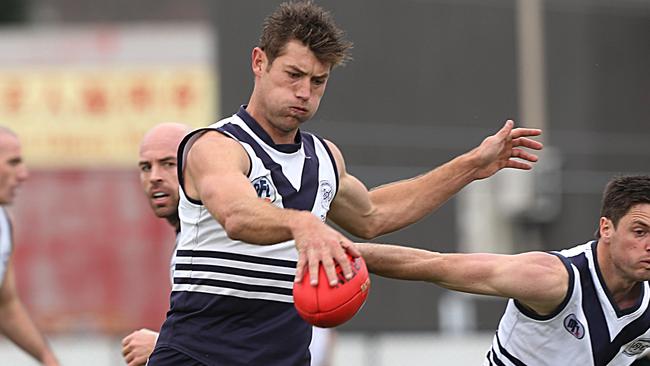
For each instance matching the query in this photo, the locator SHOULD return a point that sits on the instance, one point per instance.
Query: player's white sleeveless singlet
(5, 242)
(587, 329)
(231, 302)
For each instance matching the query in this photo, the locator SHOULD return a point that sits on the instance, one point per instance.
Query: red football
(325, 306)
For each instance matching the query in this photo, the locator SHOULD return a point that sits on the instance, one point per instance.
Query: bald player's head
(13, 171)
(158, 168)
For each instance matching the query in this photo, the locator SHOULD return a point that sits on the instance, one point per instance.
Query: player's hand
(503, 148)
(49, 360)
(318, 243)
(138, 346)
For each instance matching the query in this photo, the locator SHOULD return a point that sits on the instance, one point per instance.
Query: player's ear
(258, 61)
(606, 228)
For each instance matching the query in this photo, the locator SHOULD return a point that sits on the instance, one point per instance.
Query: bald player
(15, 323)
(159, 181)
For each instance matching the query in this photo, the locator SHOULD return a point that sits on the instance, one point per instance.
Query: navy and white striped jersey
(231, 301)
(5, 242)
(587, 329)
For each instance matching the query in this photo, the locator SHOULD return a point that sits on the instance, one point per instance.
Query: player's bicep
(539, 280)
(352, 204)
(216, 173)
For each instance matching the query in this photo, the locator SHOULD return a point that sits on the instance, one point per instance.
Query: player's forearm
(398, 262)
(262, 223)
(16, 324)
(405, 202)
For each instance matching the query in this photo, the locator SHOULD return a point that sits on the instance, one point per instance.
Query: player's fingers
(505, 130)
(529, 143)
(343, 261)
(523, 154)
(313, 263)
(515, 164)
(128, 358)
(330, 270)
(126, 350)
(351, 249)
(300, 266)
(126, 339)
(519, 132)
(140, 360)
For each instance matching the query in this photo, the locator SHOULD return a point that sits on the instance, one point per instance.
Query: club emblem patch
(327, 194)
(573, 326)
(265, 189)
(637, 347)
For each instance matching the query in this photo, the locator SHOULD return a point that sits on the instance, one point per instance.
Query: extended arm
(390, 207)
(223, 187)
(538, 280)
(16, 324)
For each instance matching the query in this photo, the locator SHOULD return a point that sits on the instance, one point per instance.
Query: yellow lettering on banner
(96, 116)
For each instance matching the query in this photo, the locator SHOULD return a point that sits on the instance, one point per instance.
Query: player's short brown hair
(308, 23)
(621, 194)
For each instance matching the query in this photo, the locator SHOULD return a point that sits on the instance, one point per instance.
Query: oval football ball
(325, 306)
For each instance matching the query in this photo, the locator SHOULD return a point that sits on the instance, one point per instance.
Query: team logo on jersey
(327, 194)
(573, 326)
(264, 188)
(637, 347)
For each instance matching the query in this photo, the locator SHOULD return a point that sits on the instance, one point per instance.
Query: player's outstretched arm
(536, 279)
(390, 207)
(138, 346)
(16, 324)
(216, 173)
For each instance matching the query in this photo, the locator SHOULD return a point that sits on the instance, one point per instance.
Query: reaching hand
(49, 360)
(499, 150)
(318, 243)
(138, 346)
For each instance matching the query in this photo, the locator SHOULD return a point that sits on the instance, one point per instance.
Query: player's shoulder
(576, 250)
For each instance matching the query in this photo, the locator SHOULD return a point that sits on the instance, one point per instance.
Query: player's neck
(279, 136)
(625, 291)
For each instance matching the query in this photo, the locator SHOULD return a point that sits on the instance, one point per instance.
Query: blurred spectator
(15, 323)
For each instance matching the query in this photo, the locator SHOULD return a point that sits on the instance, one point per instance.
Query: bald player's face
(158, 175)
(12, 168)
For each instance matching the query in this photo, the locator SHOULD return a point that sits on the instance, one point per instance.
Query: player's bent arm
(536, 279)
(16, 324)
(216, 173)
(390, 207)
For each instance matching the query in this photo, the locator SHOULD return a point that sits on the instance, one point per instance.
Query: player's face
(630, 242)
(158, 175)
(291, 88)
(12, 168)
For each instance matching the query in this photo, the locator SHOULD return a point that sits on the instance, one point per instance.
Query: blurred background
(80, 82)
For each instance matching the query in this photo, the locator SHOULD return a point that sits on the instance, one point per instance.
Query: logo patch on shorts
(265, 189)
(637, 347)
(573, 326)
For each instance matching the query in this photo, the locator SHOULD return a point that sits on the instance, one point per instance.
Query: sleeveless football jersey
(587, 329)
(231, 301)
(5, 242)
